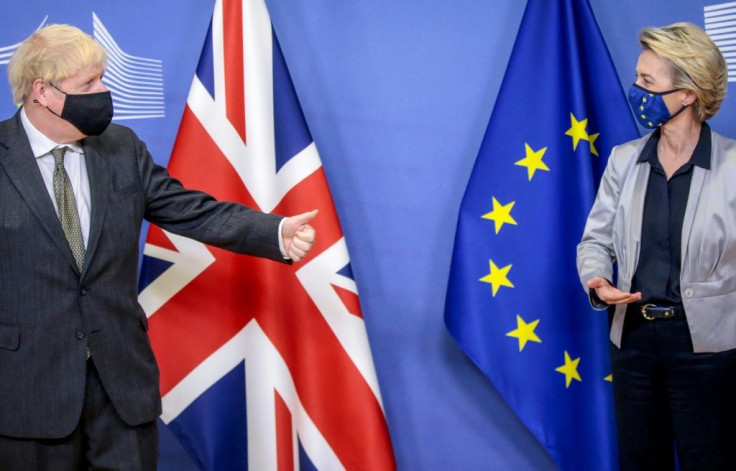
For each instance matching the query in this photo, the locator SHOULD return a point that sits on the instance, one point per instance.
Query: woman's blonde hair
(696, 63)
(52, 53)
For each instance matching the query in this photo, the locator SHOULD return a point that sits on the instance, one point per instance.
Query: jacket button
(689, 293)
(83, 291)
(80, 335)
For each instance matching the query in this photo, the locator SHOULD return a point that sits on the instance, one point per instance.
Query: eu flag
(514, 303)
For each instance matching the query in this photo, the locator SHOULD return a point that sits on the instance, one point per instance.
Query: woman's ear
(690, 97)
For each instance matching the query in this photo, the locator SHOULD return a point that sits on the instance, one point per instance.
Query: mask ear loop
(682, 108)
(60, 90)
(49, 109)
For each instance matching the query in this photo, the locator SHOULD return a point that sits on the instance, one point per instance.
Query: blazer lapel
(635, 214)
(22, 170)
(696, 187)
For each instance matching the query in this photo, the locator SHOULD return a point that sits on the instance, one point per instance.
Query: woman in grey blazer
(665, 214)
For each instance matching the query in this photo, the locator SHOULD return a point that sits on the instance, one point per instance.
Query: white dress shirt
(73, 163)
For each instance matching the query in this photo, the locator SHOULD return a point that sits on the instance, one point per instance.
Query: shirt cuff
(281, 241)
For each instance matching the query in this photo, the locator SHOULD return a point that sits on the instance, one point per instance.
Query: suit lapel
(99, 188)
(23, 172)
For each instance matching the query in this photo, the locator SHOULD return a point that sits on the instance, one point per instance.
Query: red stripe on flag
(350, 300)
(284, 435)
(333, 391)
(199, 164)
(157, 237)
(232, 24)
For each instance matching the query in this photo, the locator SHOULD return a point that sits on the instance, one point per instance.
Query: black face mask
(91, 113)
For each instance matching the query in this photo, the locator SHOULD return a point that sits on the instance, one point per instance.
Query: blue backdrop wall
(397, 96)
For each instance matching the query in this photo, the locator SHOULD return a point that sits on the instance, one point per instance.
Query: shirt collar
(41, 145)
(701, 154)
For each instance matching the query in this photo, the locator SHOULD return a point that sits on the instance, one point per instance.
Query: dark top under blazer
(50, 312)
(657, 274)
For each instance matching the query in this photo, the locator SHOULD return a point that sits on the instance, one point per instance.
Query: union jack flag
(263, 365)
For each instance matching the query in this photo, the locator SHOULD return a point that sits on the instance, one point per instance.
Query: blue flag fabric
(514, 302)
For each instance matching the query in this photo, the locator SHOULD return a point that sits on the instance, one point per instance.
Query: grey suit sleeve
(200, 216)
(595, 253)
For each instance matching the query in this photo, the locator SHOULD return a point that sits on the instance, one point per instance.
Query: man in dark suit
(78, 379)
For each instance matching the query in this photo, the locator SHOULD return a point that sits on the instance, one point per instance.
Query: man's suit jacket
(50, 313)
(708, 273)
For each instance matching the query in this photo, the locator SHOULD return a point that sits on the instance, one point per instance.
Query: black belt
(653, 312)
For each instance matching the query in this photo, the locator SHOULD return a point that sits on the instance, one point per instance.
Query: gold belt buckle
(644, 312)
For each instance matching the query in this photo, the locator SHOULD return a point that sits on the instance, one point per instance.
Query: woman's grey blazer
(708, 275)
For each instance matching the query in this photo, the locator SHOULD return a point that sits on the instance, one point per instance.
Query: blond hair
(696, 64)
(52, 54)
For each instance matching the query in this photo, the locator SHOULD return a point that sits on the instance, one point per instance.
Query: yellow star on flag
(497, 277)
(577, 131)
(533, 161)
(609, 378)
(524, 332)
(569, 369)
(501, 214)
(593, 137)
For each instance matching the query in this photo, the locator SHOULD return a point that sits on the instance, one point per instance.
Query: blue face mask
(649, 107)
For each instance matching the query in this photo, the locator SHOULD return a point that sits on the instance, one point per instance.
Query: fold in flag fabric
(514, 303)
(263, 365)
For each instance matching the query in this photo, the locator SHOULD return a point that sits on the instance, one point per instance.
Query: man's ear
(38, 91)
